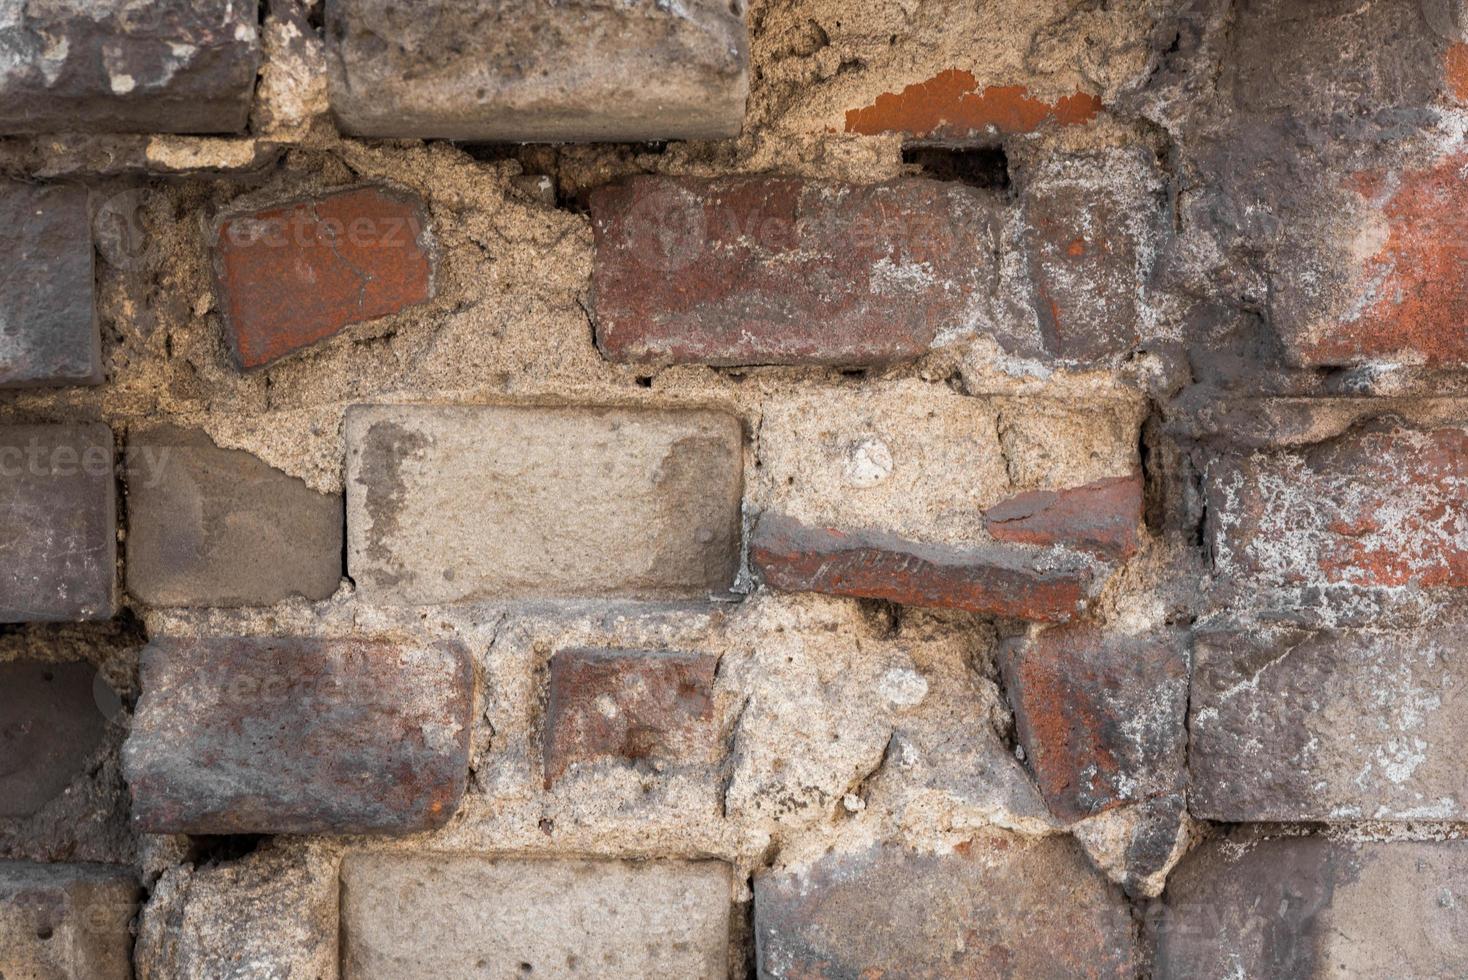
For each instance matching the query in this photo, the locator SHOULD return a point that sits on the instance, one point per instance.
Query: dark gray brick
(50, 724)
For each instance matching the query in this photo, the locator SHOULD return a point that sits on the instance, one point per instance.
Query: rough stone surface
(1310, 907)
(593, 70)
(291, 276)
(639, 707)
(772, 270)
(1332, 725)
(192, 926)
(50, 729)
(1101, 716)
(1103, 517)
(66, 921)
(991, 906)
(1383, 507)
(450, 503)
(216, 527)
(58, 520)
(48, 324)
(243, 735)
(168, 66)
(876, 565)
(415, 917)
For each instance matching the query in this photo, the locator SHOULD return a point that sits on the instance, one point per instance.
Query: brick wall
(796, 489)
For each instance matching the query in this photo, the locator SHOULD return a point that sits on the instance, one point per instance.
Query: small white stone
(122, 84)
(903, 687)
(868, 463)
(853, 803)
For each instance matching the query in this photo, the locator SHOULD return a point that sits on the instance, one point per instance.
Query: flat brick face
(1309, 907)
(598, 70)
(66, 921)
(1382, 508)
(422, 917)
(298, 736)
(994, 906)
(794, 557)
(1330, 725)
(1100, 716)
(764, 270)
(48, 326)
(50, 728)
(215, 527)
(58, 536)
(1093, 229)
(171, 66)
(447, 504)
(649, 709)
(291, 276)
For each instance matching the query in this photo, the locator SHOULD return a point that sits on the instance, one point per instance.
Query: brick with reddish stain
(299, 736)
(291, 276)
(1103, 517)
(1101, 716)
(997, 905)
(1093, 227)
(949, 106)
(1384, 507)
(632, 706)
(994, 581)
(1407, 299)
(775, 270)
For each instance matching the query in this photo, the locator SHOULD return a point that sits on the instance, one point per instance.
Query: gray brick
(216, 527)
(416, 917)
(50, 725)
(593, 70)
(1309, 907)
(453, 503)
(66, 921)
(169, 66)
(301, 736)
(58, 534)
(48, 321)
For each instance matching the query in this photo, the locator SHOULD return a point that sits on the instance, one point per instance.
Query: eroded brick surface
(872, 564)
(1381, 507)
(773, 270)
(282, 735)
(292, 276)
(170, 66)
(1329, 725)
(421, 917)
(1310, 907)
(215, 527)
(644, 708)
(1100, 715)
(58, 527)
(452, 503)
(48, 326)
(66, 921)
(950, 106)
(993, 906)
(50, 727)
(592, 71)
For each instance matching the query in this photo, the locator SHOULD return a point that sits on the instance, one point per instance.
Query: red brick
(776, 270)
(1100, 716)
(993, 906)
(1373, 508)
(291, 276)
(630, 706)
(1103, 517)
(874, 565)
(949, 106)
(1408, 299)
(299, 736)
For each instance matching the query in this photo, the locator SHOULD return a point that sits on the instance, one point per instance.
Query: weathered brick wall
(813, 488)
